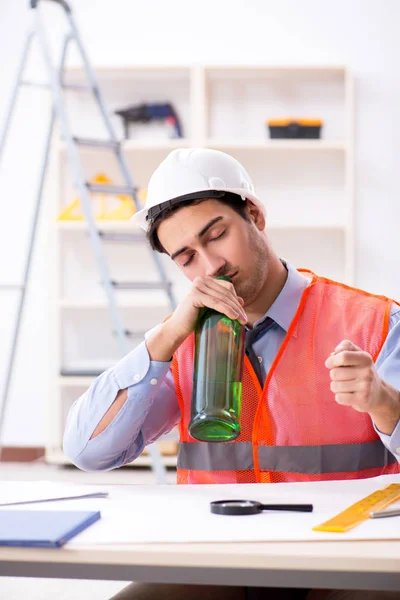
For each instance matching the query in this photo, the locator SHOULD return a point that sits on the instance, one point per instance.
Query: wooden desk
(350, 565)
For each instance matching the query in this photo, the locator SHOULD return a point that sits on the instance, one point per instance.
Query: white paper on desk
(13, 492)
(158, 514)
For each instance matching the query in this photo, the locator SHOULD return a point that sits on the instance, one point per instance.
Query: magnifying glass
(251, 507)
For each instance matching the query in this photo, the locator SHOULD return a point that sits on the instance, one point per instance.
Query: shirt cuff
(134, 367)
(392, 442)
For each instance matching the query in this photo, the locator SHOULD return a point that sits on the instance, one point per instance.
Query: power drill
(144, 113)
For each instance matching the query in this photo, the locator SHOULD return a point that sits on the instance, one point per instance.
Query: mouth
(233, 275)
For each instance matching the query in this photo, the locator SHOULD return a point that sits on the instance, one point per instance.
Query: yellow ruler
(360, 511)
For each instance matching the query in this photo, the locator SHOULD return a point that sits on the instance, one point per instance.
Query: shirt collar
(284, 308)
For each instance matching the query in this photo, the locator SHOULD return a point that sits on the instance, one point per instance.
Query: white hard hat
(188, 174)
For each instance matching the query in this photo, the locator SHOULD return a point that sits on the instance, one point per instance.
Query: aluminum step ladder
(56, 85)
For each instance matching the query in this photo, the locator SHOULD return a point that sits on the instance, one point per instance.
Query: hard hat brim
(140, 217)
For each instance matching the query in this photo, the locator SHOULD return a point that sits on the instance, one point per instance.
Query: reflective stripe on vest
(238, 456)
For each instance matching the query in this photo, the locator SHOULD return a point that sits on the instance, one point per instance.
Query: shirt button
(259, 359)
(398, 450)
(137, 377)
(153, 381)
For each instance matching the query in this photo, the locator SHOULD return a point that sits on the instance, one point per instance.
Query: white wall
(362, 34)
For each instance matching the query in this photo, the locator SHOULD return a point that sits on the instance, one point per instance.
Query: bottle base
(214, 430)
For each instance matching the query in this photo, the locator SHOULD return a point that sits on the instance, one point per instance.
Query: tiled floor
(15, 588)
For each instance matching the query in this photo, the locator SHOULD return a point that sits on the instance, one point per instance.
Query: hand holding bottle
(206, 292)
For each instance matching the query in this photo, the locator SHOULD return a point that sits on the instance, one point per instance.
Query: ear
(256, 215)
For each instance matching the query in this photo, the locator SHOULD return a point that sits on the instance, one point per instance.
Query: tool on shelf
(57, 85)
(145, 113)
(293, 128)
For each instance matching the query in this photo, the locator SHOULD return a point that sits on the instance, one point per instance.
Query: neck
(276, 279)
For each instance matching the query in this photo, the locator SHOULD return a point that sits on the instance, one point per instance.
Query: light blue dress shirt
(152, 409)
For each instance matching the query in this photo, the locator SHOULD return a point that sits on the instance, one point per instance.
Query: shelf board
(220, 144)
(129, 71)
(259, 72)
(167, 144)
(56, 456)
(281, 145)
(278, 68)
(132, 145)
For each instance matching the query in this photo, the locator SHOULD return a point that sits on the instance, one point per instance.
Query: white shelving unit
(307, 186)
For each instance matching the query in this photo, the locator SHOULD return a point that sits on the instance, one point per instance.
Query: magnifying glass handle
(290, 507)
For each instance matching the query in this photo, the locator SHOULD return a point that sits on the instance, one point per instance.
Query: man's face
(212, 239)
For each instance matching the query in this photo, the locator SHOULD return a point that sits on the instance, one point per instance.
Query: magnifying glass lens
(235, 507)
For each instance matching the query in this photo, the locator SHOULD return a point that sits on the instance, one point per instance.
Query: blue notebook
(43, 529)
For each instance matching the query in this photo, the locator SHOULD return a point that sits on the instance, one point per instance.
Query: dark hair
(233, 200)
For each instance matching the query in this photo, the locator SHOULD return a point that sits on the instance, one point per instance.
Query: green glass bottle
(217, 377)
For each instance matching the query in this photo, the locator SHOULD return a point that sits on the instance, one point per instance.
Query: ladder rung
(142, 285)
(11, 286)
(96, 143)
(78, 87)
(110, 189)
(121, 237)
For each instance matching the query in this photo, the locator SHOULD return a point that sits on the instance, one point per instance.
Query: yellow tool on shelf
(105, 211)
(361, 510)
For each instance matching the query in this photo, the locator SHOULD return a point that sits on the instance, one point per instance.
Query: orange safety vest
(293, 430)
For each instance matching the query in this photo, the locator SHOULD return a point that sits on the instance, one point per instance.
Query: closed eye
(218, 236)
(188, 261)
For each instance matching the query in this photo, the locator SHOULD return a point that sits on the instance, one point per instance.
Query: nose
(214, 265)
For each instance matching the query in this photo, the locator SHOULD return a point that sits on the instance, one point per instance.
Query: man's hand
(356, 383)
(205, 292)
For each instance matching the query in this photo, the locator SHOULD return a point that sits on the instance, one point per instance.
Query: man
(321, 381)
